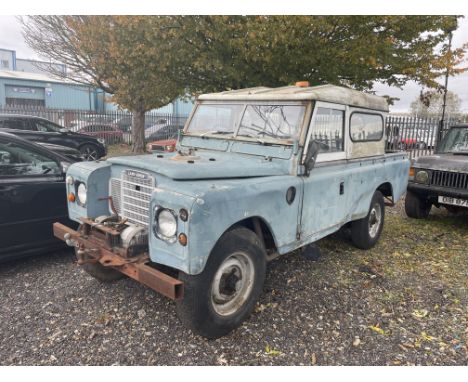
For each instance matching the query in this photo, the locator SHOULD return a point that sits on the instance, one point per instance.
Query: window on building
(328, 129)
(4, 64)
(24, 102)
(365, 127)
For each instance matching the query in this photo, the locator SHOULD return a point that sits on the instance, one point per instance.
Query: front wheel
(365, 232)
(416, 207)
(220, 298)
(89, 152)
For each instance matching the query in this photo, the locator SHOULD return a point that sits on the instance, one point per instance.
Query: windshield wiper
(252, 136)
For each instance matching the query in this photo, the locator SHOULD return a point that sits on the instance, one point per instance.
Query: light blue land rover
(258, 173)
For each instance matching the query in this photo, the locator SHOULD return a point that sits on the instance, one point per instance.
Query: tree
(235, 51)
(146, 61)
(131, 57)
(430, 105)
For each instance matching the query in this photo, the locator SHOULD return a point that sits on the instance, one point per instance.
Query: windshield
(255, 121)
(455, 141)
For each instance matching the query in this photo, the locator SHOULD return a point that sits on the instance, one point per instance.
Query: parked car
(32, 197)
(167, 145)
(440, 179)
(72, 154)
(163, 132)
(107, 132)
(41, 130)
(255, 177)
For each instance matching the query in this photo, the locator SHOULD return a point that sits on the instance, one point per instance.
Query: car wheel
(220, 298)
(89, 152)
(416, 207)
(366, 232)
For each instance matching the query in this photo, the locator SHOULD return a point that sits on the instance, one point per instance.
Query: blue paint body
(230, 181)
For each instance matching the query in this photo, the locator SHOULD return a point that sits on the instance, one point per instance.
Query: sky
(11, 38)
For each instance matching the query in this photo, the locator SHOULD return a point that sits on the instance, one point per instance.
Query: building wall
(55, 95)
(34, 66)
(7, 59)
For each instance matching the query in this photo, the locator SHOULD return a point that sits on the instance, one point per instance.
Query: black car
(68, 152)
(440, 179)
(41, 130)
(32, 197)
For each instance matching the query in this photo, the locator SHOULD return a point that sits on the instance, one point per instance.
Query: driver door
(325, 189)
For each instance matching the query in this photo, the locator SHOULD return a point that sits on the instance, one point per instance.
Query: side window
(45, 126)
(365, 127)
(14, 123)
(16, 160)
(328, 129)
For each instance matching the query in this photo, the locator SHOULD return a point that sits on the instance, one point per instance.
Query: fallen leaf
(420, 313)
(271, 351)
(377, 329)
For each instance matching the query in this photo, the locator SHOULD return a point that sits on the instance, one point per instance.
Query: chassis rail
(91, 249)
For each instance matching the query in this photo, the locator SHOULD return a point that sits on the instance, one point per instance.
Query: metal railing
(112, 126)
(417, 135)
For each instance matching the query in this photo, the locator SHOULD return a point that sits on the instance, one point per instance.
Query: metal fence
(417, 135)
(112, 126)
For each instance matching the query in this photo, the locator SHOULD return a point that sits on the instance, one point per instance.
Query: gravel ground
(403, 302)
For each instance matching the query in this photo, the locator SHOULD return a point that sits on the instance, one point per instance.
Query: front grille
(449, 179)
(131, 195)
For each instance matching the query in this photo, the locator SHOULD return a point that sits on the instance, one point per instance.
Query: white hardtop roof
(327, 93)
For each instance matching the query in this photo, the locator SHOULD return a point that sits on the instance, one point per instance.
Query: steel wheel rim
(375, 219)
(232, 284)
(89, 154)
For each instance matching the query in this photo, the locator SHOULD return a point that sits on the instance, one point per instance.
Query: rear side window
(364, 127)
(15, 123)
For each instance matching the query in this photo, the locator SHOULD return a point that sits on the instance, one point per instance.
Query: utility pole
(441, 123)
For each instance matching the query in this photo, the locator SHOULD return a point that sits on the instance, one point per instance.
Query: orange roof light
(302, 84)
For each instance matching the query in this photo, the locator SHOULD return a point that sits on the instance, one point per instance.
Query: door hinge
(298, 232)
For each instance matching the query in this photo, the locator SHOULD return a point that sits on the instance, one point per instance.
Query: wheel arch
(387, 191)
(263, 230)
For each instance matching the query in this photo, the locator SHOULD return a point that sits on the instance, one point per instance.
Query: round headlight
(82, 193)
(167, 223)
(422, 177)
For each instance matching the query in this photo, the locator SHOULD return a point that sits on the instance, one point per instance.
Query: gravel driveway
(403, 302)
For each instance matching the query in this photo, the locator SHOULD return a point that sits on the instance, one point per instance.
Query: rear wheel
(89, 152)
(366, 232)
(220, 298)
(416, 207)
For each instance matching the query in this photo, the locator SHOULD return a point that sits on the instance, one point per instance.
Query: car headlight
(81, 192)
(166, 224)
(102, 141)
(422, 177)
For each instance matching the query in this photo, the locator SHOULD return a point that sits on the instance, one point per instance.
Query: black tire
(366, 232)
(416, 207)
(89, 152)
(199, 310)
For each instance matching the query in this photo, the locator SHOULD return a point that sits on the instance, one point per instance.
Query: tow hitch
(95, 244)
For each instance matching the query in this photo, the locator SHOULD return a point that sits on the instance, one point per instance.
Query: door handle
(341, 188)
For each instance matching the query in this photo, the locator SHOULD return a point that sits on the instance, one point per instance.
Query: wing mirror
(311, 156)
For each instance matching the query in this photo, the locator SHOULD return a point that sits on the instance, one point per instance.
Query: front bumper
(94, 248)
(432, 192)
